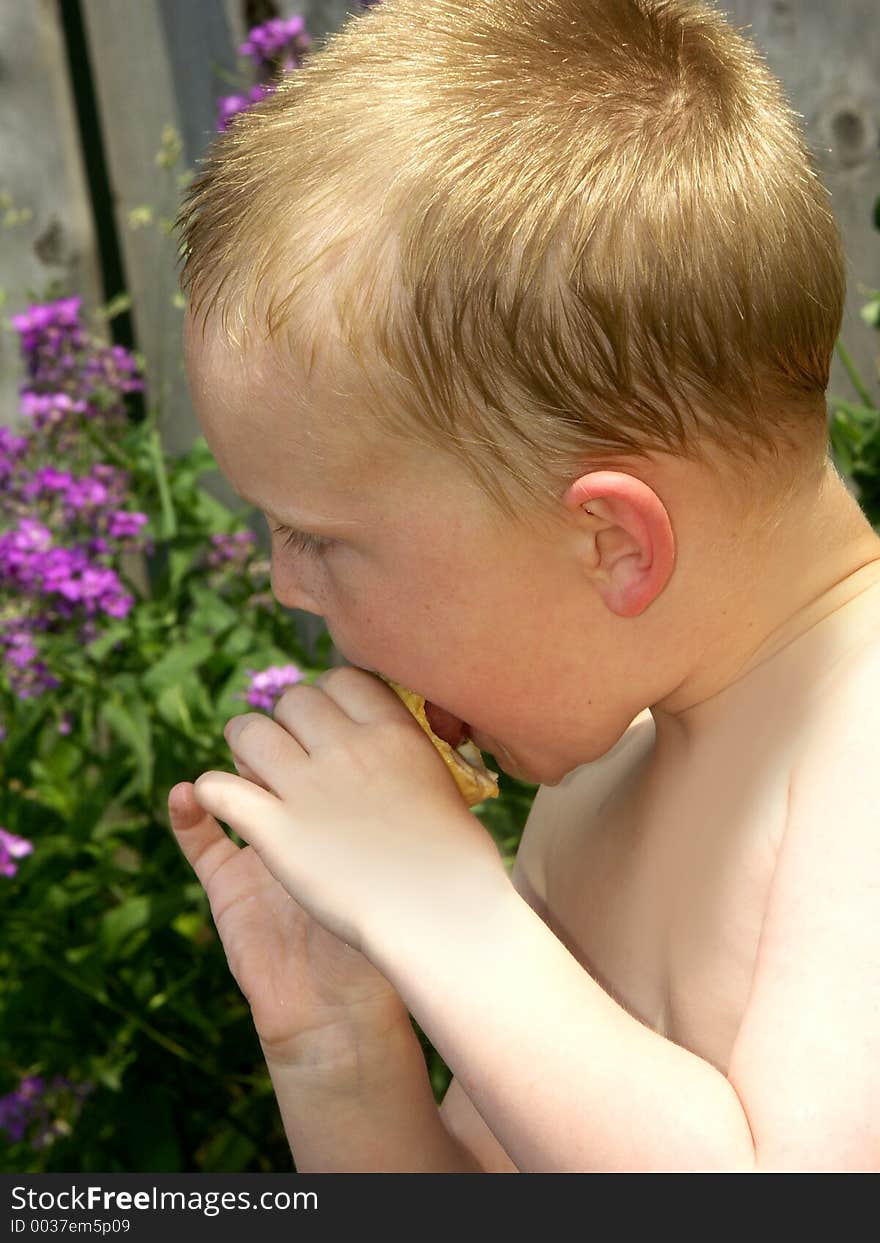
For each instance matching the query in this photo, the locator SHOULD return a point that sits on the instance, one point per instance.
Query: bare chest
(661, 896)
(657, 872)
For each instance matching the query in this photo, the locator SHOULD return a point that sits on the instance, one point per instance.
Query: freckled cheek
(296, 583)
(369, 627)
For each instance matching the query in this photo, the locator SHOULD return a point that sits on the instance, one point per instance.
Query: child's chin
(501, 759)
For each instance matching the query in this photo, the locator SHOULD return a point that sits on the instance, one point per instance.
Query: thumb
(201, 839)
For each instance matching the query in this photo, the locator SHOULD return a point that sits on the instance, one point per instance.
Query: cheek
(363, 623)
(300, 581)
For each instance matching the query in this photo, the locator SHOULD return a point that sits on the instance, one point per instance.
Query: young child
(516, 322)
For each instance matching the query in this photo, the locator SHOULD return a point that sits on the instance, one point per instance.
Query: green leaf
(197, 461)
(870, 313)
(179, 661)
(177, 703)
(865, 416)
(238, 642)
(116, 306)
(99, 649)
(189, 924)
(211, 514)
(228, 1151)
(846, 430)
(840, 453)
(211, 614)
(130, 722)
(180, 563)
(123, 920)
(62, 758)
(61, 797)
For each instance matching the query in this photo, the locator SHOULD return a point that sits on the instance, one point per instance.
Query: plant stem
(169, 517)
(857, 382)
(97, 438)
(75, 982)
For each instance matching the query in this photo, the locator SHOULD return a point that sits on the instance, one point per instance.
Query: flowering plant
(274, 48)
(135, 616)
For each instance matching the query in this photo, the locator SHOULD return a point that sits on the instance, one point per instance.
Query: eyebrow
(298, 522)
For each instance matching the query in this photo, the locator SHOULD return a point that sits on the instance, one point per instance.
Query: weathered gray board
(41, 170)
(828, 58)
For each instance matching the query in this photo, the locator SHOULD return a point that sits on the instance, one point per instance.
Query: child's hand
(352, 810)
(312, 997)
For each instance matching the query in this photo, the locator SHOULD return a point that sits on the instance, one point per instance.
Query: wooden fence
(156, 67)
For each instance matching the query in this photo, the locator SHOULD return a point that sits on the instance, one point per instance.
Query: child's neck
(823, 557)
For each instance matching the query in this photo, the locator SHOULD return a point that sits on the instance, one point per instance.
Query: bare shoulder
(564, 809)
(847, 705)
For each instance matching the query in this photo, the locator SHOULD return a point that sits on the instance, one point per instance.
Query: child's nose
(289, 590)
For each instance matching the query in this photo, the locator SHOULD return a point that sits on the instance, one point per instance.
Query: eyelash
(314, 545)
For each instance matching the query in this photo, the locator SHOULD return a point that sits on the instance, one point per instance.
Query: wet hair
(540, 235)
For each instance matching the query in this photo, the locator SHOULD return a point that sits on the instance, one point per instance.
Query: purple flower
(69, 373)
(231, 551)
(229, 106)
(29, 1108)
(86, 493)
(59, 528)
(48, 410)
(268, 685)
(12, 847)
(123, 523)
(28, 677)
(264, 43)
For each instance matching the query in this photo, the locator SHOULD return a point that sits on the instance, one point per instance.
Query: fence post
(46, 227)
(132, 75)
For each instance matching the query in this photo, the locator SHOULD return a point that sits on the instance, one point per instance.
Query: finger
(310, 715)
(363, 696)
(244, 770)
(251, 810)
(265, 753)
(204, 844)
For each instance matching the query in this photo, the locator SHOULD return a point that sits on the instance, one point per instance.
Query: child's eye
(302, 542)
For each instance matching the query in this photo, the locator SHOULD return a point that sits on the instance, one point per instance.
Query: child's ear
(629, 548)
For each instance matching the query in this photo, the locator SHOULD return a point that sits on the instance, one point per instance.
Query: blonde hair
(547, 233)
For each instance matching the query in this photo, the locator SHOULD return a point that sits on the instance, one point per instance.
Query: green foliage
(855, 425)
(111, 971)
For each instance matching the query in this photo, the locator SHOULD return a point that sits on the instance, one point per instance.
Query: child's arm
(569, 1081)
(351, 810)
(347, 1067)
(359, 820)
(375, 1110)
(375, 1115)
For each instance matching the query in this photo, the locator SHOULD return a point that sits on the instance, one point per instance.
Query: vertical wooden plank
(321, 16)
(156, 64)
(200, 44)
(137, 101)
(827, 57)
(41, 170)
